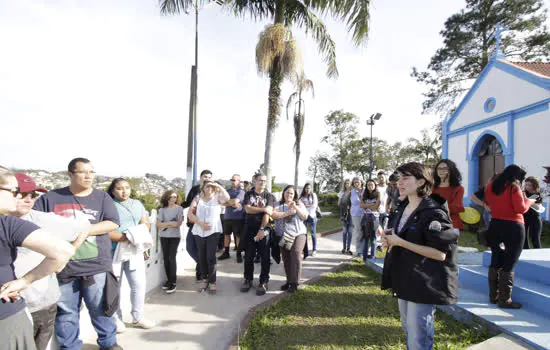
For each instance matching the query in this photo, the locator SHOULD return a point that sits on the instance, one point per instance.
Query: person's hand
(10, 290)
(268, 210)
(292, 211)
(236, 202)
(260, 235)
(487, 207)
(204, 225)
(391, 240)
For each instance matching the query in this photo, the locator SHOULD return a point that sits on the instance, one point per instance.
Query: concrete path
(189, 320)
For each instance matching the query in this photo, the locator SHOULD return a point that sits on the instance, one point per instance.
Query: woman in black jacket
(420, 266)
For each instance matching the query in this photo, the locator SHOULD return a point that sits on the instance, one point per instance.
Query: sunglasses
(14, 191)
(33, 194)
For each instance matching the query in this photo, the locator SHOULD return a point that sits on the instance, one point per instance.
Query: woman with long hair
(131, 213)
(16, 330)
(447, 184)
(420, 266)
(207, 229)
(508, 204)
(344, 204)
(370, 202)
(289, 215)
(356, 213)
(533, 222)
(169, 221)
(309, 198)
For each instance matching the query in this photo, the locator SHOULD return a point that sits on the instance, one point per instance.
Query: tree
(468, 44)
(428, 148)
(399, 154)
(342, 129)
(321, 169)
(271, 52)
(302, 85)
(358, 160)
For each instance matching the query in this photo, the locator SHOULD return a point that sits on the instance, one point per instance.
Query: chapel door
(491, 160)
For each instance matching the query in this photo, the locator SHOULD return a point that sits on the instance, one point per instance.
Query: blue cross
(498, 31)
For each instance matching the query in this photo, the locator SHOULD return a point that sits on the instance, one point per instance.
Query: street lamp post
(370, 122)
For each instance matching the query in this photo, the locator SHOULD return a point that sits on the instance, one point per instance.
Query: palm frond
(291, 100)
(174, 7)
(297, 13)
(258, 10)
(271, 44)
(355, 13)
(308, 86)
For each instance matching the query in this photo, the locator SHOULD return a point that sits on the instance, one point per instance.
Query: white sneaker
(313, 253)
(120, 326)
(144, 323)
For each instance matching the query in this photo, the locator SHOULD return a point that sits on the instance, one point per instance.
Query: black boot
(493, 285)
(505, 286)
(225, 254)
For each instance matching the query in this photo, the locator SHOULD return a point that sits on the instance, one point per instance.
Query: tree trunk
(275, 80)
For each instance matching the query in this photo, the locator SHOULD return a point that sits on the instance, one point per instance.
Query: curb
(245, 322)
(330, 232)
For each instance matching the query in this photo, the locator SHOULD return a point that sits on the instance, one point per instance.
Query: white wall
(501, 129)
(509, 91)
(457, 153)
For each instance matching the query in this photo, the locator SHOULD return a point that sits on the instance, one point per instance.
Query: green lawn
(345, 310)
(328, 222)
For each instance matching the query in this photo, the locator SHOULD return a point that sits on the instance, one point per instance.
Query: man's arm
(102, 228)
(253, 210)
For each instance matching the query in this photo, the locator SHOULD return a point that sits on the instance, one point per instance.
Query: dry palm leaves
(277, 47)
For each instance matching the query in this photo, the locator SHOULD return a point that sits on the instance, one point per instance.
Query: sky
(109, 81)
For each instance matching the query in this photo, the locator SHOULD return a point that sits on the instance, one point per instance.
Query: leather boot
(505, 286)
(493, 285)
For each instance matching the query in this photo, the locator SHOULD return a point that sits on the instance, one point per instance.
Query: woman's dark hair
(419, 172)
(374, 194)
(111, 187)
(510, 175)
(166, 197)
(535, 182)
(455, 178)
(303, 194)
(295, 194)
(394, 177)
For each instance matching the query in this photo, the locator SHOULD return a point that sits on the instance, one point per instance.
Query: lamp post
(370, 122)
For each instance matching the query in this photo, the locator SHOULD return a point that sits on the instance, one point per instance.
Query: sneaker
(314, 253)
(348, 252)
(171, 289)
(285, 286)
(113, 347)
(166, 285)
(198, 278)
(292, 288)
(224, 256)
(247, 284)
(343, 251)
(120, 326)
(262, 289)
(144, 323)
(239, 258)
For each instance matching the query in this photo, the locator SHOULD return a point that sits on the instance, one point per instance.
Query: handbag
(111, 292)
(318, 213)
(286, 241)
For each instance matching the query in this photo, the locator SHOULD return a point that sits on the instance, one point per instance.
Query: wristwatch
(262, 228)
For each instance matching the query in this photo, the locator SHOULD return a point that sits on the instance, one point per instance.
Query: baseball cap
(27, 184)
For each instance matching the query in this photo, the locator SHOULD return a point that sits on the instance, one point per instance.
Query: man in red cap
(41, 297)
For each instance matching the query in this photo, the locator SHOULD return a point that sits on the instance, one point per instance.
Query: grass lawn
(346, 310)
(328, 222)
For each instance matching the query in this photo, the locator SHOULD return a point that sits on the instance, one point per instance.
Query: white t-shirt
(383, 197)
(209, 212)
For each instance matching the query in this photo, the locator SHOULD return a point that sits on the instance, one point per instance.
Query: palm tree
(428, 148)
(274, 39)
(302, 85)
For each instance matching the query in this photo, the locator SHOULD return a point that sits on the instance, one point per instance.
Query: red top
(509, 205)
(454, 197)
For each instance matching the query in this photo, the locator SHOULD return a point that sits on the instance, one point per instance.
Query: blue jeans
(137, 280)
(67, 321)
(191, 247)
(371, 240)
(347, 231)
(418, 322)
(311, 223)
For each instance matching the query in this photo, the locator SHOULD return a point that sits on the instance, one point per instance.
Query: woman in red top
(508, 204)
(447, 180)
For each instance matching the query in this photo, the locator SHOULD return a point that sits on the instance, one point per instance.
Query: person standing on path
(258, 204)
(533, 222)
(382, 187)
(169, 221)
(309, 198)
(234, 218)
(447, 184)
(85, 275)
(370, 202)
(208, 227)
(190, 244)
(344, 204)
(356, 213)
(289, 215)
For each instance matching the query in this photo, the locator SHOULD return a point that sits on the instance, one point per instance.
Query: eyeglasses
(261, 180)
(33, 194)
(80, 172)
(234, 180)
(14, 191)
(443, 169)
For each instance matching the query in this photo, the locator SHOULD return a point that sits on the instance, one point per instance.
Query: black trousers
(43, 323)
(533, 230)
(512, 234)
(263, 248)
(207, 256)
(169, 252)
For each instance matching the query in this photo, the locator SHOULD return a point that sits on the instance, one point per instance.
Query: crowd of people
(74, 244)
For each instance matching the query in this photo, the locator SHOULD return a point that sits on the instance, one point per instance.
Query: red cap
(27, 184)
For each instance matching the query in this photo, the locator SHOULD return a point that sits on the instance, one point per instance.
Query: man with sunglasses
(234, 218)
(41, 297)
(85, 275)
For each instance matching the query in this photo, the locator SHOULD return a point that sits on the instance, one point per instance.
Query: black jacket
(195, 191)
(413, 277)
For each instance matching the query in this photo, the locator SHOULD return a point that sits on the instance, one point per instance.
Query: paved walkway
(191, 320)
